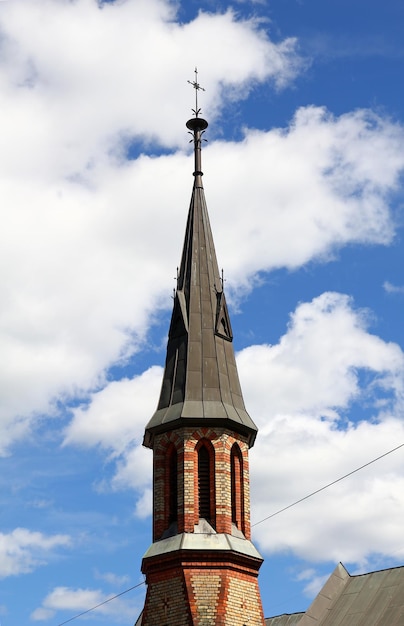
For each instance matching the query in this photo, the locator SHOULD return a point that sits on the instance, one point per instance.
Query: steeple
(201, 568)
(200, 382)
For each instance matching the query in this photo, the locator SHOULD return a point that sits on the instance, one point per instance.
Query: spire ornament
(197, 126)
(197, 87)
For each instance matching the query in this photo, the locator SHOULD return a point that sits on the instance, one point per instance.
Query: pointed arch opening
(171, 485)
(206, 481)
(237, 488)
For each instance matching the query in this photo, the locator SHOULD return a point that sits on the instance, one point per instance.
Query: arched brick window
(172, 484)
(206, 481)
(237, 487)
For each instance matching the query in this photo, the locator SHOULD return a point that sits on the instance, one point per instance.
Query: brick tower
(201, 569)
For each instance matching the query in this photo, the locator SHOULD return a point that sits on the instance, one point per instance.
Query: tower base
(202, 580)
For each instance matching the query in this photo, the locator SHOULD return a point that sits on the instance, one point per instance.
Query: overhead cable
(101, 604)
(313, 493)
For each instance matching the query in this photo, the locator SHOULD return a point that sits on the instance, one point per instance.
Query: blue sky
(304, 183)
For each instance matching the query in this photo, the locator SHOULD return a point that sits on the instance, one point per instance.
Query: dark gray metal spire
(200, 383)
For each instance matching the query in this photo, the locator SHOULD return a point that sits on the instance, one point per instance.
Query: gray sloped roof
(373, 599)
(284, 620)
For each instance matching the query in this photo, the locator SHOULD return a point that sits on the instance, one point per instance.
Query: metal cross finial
(197, 87)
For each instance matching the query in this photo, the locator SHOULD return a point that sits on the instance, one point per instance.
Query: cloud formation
(345, 172)
(96, 54)
(390, 288)
(78, 600)
(328, 399)
(23, 550)
(314, 370)
(78, 218)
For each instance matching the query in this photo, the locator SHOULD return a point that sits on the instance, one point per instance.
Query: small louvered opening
(173, 486)
(237, 491)
(233, 492)
(204, 483)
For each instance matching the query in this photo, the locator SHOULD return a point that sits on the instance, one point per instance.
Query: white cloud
(344, 172)
(40, 614)
(115, 416)
(23, 550)
(305, 395)
(314, 370)
(144, 504)
(77, 600)
(111, 578)
(351, 521)
(315, 582)
(390, 288)
(135, 470)
(115, 419)
(78, 220)
(93, 72)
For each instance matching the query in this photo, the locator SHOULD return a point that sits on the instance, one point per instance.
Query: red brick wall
(191, 591)
(186, 441)
(166, 600)
(189, 587)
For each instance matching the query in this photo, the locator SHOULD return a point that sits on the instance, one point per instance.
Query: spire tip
(197, 126)
(197, 88)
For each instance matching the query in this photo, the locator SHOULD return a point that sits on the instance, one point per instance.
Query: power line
(313, 493)
(100, 604)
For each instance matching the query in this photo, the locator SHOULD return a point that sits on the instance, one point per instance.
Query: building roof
(287, 619)
(373, 599)
(200, 382)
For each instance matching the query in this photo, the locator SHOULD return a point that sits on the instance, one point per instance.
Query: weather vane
(197, 87)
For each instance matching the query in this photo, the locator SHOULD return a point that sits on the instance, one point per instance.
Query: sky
(303, 175)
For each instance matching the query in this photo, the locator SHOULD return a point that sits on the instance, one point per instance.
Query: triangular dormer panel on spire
(223, 325)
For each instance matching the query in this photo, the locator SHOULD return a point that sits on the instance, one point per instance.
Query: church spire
(200, 382)
(202, 567)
